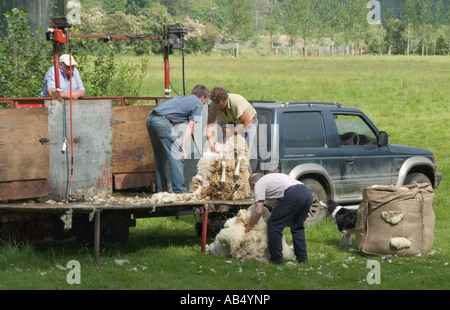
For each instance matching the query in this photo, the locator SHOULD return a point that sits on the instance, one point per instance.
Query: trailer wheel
(317, 213)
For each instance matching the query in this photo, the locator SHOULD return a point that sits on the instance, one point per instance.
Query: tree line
(313, 26)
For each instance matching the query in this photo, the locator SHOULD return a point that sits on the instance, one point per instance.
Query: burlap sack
(396, 220)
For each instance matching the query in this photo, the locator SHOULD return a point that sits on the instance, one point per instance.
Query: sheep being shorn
(224, 174)
(220, 175)
(252, 246)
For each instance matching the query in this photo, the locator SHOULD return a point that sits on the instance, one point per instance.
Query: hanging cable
(71, 123)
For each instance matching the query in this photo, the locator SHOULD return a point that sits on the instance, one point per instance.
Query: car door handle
(350, 160)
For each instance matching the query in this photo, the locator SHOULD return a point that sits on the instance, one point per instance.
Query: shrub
(25, 57)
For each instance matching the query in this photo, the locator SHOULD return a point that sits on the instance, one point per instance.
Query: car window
(264, 131)
(303, 129)
(353, 130)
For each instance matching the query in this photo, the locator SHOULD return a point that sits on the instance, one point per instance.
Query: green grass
(406, 96)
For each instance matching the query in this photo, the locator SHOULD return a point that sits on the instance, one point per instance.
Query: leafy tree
(239, 16)
(441, 47)
(424, 16)
(409, 18)
(152, 20)
(292, 19)
(354, 21)
(307, 20)
(438, 21)
(262, 14)
(334, 20)
(375, 38)
(394, 33)
(112, 6)
(24, 58)
(200, 38)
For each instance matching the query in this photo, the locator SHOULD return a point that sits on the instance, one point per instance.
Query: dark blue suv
(335, 150)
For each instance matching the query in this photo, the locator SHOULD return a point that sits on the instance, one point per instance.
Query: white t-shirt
(272, 186)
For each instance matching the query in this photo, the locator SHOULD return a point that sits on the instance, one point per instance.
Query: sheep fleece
(207, 183)
(233, 241)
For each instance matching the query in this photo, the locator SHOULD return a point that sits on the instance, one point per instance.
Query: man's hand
(255, 216)
(75, 95)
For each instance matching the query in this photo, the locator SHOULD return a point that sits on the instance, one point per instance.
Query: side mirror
(383, 138)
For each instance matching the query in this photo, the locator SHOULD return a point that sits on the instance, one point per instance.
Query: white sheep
(223, 174)
(220, 175)
(251, 246)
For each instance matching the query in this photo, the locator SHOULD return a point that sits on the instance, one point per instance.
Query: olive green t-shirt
(235, 108)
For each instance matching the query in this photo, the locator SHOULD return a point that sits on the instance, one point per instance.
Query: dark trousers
(291, 210)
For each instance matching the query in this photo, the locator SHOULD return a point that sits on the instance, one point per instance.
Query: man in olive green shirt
(238, 115)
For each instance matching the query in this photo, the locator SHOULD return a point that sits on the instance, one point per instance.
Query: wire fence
(247, 49)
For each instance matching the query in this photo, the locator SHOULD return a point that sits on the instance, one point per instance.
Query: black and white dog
(344, 220)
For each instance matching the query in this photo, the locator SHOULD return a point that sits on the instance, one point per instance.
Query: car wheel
(416, 177)
(317, 213)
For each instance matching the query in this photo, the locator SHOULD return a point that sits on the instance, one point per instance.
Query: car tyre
(317, 213)
(416, 177)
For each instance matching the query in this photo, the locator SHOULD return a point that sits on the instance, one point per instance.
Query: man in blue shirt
(64, 80)
(165, 142)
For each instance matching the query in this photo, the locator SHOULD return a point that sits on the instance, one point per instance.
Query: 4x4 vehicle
(335, 150)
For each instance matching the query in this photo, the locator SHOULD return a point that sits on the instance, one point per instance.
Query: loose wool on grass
(252, 246)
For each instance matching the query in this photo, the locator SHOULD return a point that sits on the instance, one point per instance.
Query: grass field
(408, 97)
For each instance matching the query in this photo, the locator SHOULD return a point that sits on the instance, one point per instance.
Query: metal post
(166, 62)
(182, 57)
(97, 238)
(204, 227)
(56, 67)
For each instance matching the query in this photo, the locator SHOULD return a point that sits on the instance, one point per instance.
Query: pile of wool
(252, 246)
(166, 197)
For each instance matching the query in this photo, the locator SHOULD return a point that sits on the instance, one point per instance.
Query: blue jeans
(167, 153)
(291, 209)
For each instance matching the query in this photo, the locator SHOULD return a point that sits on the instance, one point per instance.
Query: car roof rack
(316, 103)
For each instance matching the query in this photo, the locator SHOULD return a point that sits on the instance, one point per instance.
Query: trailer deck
(144, 210)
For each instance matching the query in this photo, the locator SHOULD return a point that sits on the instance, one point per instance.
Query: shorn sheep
(251, 246)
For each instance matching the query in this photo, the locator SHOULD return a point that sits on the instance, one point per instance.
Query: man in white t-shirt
(291, 201)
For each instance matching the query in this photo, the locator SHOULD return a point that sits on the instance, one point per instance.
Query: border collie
(344, 220)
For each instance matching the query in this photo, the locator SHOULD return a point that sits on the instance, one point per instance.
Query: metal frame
(38, 102)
